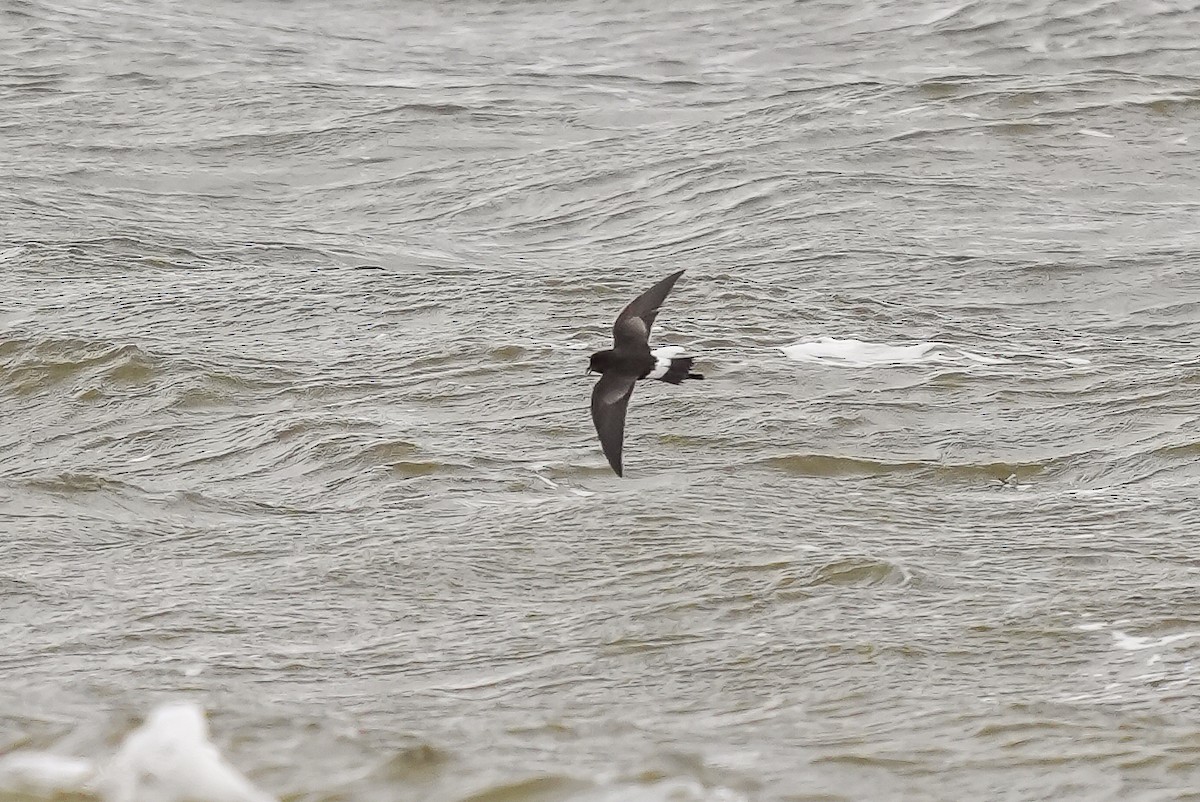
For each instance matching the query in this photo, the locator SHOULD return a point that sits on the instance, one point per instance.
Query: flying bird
(630, 360)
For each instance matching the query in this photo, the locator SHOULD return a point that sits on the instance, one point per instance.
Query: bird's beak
(587, 372)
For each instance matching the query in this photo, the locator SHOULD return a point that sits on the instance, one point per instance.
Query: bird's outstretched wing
(610, 399)
(632, 329)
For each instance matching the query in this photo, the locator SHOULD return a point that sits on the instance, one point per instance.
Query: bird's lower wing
(610, 399)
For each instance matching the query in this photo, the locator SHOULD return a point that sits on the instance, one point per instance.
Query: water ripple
(294, 312)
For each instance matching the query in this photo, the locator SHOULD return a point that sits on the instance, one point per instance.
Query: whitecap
(857, 353)
(171, 759)
(168, 759)
(44, 774)
(1134, 643)
(672, 790)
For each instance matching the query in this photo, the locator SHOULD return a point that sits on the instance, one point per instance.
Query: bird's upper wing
(632, 328)
(610, 399)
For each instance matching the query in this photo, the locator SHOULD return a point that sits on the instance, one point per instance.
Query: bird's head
(600, 361)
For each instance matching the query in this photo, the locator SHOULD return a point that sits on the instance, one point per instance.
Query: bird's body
(629, 361)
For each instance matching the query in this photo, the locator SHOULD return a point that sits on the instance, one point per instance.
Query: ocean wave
(858, 353)
(168, 759)
(826, 465)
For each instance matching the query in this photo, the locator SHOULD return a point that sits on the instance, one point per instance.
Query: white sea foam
(660, 791)
(168, 759)
(1136, 643)
(1139, 666)
(854, 353)
(171, 759)
(44, 774)
(857, 353)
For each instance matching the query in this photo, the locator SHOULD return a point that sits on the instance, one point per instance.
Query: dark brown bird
(630, 360)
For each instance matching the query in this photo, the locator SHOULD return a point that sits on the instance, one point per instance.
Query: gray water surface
(295, 303)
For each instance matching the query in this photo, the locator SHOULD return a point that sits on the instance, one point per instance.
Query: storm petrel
(630, 360)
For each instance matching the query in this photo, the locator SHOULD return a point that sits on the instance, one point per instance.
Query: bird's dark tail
(680, 369)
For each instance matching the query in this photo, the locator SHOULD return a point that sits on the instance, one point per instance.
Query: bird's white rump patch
(662, 360)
